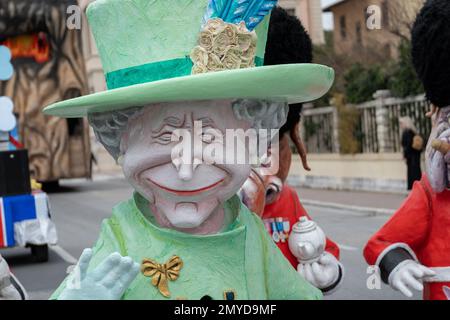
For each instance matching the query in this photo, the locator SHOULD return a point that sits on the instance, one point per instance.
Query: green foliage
(362, 82)
(403, 80)
(349, 129)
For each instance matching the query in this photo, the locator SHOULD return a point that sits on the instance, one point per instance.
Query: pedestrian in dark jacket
(411, 150)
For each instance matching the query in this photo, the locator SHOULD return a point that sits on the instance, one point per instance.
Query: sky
(327, 17)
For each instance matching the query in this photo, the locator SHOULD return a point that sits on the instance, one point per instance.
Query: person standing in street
(412, 144)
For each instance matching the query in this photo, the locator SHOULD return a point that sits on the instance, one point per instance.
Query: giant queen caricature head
(186, 158)
(185, 71)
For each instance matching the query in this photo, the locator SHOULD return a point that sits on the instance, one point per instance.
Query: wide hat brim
(295, 83)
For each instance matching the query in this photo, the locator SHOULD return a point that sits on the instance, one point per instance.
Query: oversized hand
(409, 274)
(108, 281)
(438, 165)
(321, 274)
(7, 290)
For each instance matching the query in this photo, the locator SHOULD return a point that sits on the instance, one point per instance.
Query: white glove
(409, 274)
(322, 273)
(108, 281)
(7, 290)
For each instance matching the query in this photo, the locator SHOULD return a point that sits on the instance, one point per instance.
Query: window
(343, 27)
(358, 32)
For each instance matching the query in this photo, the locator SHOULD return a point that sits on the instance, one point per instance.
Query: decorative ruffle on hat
(184, 50)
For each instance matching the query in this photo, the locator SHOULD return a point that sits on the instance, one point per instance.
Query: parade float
(49, 66)
(268, 195)
(412, 249)
(185, 234)
(24, 209)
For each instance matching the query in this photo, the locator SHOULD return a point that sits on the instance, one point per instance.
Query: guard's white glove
(409, 274)
(322, 273)
(108, 281)
(7, 290)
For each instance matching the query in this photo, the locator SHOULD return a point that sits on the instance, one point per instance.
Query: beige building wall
(105, 163)
(310, 14)
(383, 172)
(351, 31)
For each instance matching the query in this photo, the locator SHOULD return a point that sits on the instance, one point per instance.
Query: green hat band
(154, 71)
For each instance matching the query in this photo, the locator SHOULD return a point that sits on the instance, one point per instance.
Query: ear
(298, 142)
(124, 142)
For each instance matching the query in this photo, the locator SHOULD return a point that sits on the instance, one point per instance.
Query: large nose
(187, 163)
(185, 172)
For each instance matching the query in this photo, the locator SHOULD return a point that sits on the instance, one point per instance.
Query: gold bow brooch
(162, 273)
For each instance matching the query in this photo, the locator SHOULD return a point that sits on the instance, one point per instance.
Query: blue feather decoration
(252, 12)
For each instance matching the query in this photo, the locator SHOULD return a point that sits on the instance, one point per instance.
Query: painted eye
(164, 138)
(208, 138)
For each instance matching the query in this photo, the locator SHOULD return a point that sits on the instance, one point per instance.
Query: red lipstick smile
(187, 192)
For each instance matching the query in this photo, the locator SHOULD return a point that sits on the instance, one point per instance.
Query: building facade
(310, 14)
(377, 25)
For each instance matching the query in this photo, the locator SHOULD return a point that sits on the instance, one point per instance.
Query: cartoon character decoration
(10, 287)
(48, 66)
(180, 97)
(269, 195)
(412, 249)
(7, 119)
(7, 122)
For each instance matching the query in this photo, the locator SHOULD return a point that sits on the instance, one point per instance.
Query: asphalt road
(79, 207)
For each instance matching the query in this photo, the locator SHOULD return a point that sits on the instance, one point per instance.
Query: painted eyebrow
(172, 122)
(206, 121)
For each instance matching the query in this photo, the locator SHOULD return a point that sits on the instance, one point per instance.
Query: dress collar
(232, 207)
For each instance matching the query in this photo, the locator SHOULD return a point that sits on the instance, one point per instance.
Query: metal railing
(378, 128)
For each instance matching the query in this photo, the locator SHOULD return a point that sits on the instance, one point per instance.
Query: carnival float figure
(24, 210)
(270, 196)
(183, 75)
(412, 249)
(49, 66)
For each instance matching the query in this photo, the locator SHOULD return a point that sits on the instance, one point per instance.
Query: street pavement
(79, 207)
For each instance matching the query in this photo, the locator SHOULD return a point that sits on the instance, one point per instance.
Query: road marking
(347, 248)
(348, 209)
(67, 257)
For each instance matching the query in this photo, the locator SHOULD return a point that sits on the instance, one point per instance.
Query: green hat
(183, 50)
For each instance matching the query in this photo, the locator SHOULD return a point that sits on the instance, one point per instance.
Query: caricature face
(263, 189)
(184, 191)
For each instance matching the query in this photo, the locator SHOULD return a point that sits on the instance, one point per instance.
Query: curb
(368, 211)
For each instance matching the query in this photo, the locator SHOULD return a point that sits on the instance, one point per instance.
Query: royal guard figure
(412, 249)
(269, 195)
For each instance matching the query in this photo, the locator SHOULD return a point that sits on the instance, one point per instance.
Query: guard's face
(168, 157)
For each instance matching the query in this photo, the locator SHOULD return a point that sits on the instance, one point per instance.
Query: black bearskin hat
(287, 42)
(431, 50)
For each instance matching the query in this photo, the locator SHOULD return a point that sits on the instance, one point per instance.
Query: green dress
(241, 259)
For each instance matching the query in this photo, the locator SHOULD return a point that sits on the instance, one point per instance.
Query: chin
(186, 222)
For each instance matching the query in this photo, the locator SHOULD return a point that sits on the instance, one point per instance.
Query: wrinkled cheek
(131, 171)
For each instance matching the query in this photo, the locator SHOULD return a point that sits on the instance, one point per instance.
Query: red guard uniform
(287, 210)
(419, 230)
